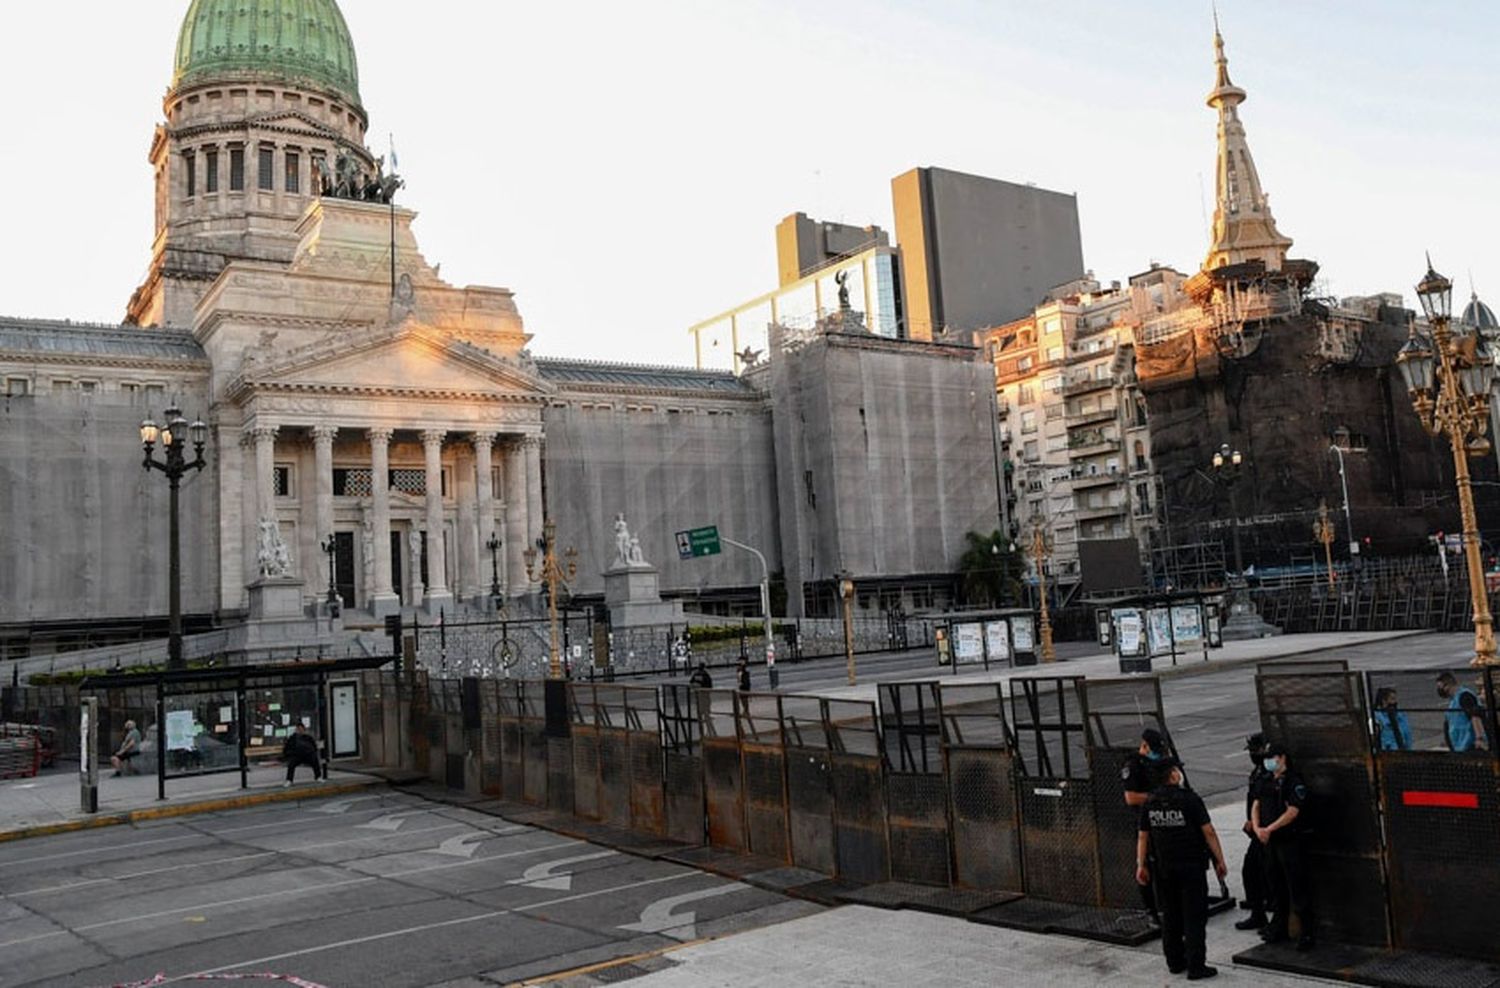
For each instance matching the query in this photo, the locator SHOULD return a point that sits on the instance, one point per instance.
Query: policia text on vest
(1176, 832)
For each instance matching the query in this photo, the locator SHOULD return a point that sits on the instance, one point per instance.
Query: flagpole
(393, 219)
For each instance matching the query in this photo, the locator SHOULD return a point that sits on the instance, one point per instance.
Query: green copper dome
(287, 41)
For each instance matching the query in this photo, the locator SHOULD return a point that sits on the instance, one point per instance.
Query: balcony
(1090, 418)
(1091, 445)
(1085, 385)
(1099, 513)
(1085, 481)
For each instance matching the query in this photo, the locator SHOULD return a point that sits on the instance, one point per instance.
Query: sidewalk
(50, 802)
(1105, 665)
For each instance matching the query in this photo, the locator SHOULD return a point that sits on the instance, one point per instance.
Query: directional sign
(342, 805)
(658, 917)
(462, 846)
(545, 876)
(389, 822)
(698, 542)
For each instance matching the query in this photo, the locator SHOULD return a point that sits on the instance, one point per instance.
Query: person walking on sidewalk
(1175, 830)
(300, 748)
(1257, 891)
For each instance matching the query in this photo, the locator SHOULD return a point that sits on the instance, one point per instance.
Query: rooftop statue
(349, 180)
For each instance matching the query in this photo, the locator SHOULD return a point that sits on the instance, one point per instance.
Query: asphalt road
(371, 891)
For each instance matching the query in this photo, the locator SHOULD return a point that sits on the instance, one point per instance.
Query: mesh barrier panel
(1059, 841)
(917, 822)
(490, 745)
(1320, 717)
(559, 774)
(643, 724)
(856, 765)
(417, 725)
(614, 776)
(764, 767)
(986, 830)
(683, 796)
(810, 808)
(585, 771)
(723, 777)
(1049, 717)
(533, 741)
(1118, 711)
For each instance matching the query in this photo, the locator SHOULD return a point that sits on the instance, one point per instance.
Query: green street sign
(698, 542)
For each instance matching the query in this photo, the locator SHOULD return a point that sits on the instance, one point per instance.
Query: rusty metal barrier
(648, 813)
(533, 731)
(1059, 838)
(916, 789)
(1321, 718)
(491, 745)
(857, 764)
(512, 745)
(763, 763)
(1118, 711)
(980, 767)
(614, 755)
(455, 752)
(584, 711)
(809, 784)
(416, 727)
(723, 774)
(682, 763)
(1442, 811)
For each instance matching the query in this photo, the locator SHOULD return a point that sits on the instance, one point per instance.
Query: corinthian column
(484, 502)
(383, 599)
(515, 518)
(322, 436)
(265, 472)
(534, 510)
(437, 595)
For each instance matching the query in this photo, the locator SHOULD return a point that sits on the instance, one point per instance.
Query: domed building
(1479, 316)
(380, 437)
(263, 93)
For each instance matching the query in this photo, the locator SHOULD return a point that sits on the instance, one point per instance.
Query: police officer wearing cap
(1253, 873)
(1279, 826)
(1174, 826)
(1142, 774)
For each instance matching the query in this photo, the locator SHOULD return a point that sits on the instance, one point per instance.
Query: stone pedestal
(432, 603)
(630, 593)
(1244, 622)
(384, 604)
(280, 618)
(276, 599)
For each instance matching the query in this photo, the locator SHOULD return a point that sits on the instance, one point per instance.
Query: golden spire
(1244, 229)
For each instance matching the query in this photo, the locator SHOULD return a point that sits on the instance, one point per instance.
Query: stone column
(265, 472)
(322, 436)
(534, 509)
(484, 505)
(515, 518)
(383, 599)
(437, 595)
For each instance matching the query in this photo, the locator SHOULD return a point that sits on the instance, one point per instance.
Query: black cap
(1154, 740)
(1276, 750)
(1255, 742)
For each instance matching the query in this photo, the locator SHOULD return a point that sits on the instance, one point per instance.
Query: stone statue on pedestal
(271, 555)
(414, 542)
(636, 559)
(622, 541)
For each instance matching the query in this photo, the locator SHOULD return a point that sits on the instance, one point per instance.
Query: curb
(1200, 668)
(186, 809)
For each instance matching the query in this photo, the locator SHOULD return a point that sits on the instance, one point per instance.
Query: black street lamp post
(330, 547)
(174, 437)
(493, 545)
(1227, 463)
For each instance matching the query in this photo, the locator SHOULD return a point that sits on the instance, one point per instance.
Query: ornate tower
(262, 91)
(1244, 229)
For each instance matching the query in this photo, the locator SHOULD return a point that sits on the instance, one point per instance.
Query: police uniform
(1253, 871)
(1173, 818)
(1142, 774)
(1286, 863)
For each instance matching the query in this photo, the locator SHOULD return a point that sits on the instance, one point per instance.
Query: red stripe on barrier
(1445, 800)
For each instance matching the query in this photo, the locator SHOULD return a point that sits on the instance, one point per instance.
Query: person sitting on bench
(129, 750)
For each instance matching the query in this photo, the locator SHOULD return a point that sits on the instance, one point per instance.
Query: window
(211, 170)
(190, 167)
(293, 176)
(1031, 450)
(1028, 420)
(1053, 383)
(236, 169)
(155, 392)
(88, 387)
(129, 388)
(282, 480)
(315, 182)
(265, 169)
(1023, 365)
(1027, 395)
(60, 384)
(17, 387)
(1054, 353)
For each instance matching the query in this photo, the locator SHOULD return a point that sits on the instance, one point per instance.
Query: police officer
(1280, 826)
(1253, 872)
(1143, 774)
(1174, 826)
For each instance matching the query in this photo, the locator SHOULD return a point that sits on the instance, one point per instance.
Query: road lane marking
(658, 916)
(545, 876)
(283, 893)
(342, 805)
(425, 927)
(216, 861)
(391, 821)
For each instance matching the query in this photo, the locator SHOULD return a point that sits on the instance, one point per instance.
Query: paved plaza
(356, 883)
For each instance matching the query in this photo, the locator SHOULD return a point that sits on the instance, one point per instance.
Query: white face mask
(1270, 764)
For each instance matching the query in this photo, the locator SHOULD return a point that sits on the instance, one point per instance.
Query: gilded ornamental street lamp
(1323, 532)
(174, 437)
(1448, 371)
(1041, 549)
(493, 544)
(555, 574)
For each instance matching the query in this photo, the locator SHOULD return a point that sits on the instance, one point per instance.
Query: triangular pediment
(407, 359)
(292, 118)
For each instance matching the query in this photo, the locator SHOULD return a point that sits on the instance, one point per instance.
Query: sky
(622, 167)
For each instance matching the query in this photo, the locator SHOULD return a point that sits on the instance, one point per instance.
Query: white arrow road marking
(658, 918)
(462, 846)
(340, 805)
(391, 821)
(542, 876)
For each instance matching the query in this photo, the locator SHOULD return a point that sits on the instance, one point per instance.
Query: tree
(989, 570)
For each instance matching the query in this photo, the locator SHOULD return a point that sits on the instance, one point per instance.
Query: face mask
(1269, 764)
(1153, 756)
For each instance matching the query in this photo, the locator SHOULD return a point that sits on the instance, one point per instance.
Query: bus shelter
(220, 719)
(1005, 637)
(1143, 628)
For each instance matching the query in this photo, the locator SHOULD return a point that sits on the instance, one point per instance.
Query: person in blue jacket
(1392, 729)
(1463, 724)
